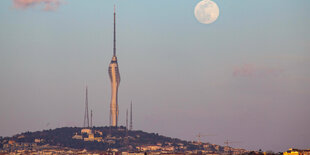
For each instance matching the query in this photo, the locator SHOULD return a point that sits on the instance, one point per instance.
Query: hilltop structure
(115, 81)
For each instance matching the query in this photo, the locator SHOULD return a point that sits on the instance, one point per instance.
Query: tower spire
(114, 42)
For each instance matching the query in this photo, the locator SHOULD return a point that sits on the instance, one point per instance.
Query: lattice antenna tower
(91, 118)
(127, 119)
(86, 116)
(126, 138)
(130, 126)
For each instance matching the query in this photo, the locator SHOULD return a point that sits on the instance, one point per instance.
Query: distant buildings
(158, 148)
(292, 151)
(88, 135)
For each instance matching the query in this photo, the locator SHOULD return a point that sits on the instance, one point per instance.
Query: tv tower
(86, 117)
(115, 81)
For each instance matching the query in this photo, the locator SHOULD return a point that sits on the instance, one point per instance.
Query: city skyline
(244, 77)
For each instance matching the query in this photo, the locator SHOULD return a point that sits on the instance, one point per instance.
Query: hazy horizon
(244, 77)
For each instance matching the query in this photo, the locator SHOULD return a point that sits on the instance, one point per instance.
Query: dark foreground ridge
(108, 139)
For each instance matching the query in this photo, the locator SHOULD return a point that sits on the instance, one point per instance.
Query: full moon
(206, 11)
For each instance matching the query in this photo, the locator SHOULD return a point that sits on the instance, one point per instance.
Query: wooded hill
(112, 138)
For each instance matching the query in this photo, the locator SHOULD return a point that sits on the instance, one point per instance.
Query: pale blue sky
(244, 77)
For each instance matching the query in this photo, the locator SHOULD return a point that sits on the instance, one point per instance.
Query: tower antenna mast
(114, 41)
